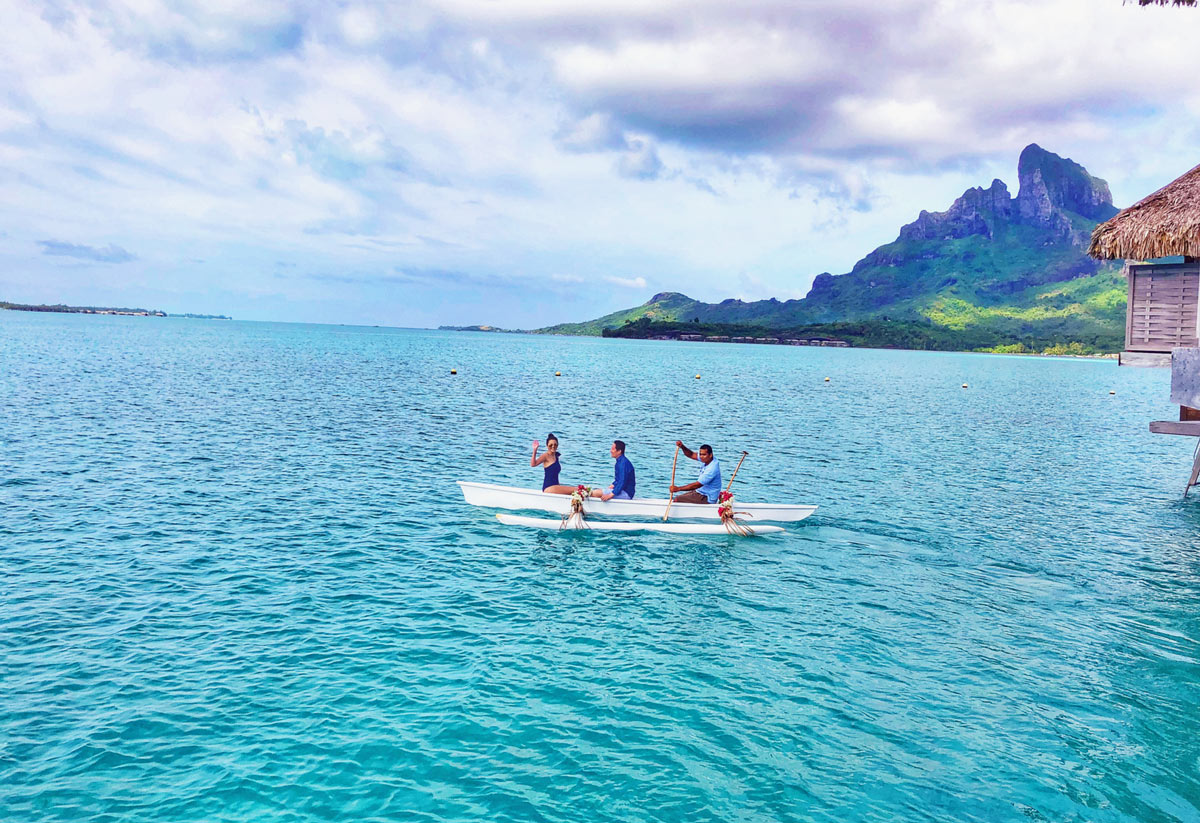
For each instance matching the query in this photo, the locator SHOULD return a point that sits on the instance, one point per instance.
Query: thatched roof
(1165, 223)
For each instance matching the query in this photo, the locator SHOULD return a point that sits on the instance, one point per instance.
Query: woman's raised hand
(535, 445)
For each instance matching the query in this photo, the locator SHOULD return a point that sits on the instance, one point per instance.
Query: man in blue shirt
(708, 484)
(623, 477)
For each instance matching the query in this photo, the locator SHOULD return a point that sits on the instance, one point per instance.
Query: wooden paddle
(671, 495)
(735, 471)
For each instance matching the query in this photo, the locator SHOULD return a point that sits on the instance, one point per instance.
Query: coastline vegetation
(60, 308)
(883, 333)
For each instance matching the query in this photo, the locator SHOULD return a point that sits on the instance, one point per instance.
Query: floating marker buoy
(454, 371)
(697, 377)
(558, 374)
(1112, 392)
(826, 379)
(964, 385)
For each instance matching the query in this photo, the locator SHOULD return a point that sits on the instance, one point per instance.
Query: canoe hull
(610, 526)
(511, 497)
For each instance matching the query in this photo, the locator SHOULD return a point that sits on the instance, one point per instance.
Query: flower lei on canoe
(573, 519)
(729, 516)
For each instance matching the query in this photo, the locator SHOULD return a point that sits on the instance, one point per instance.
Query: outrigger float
(610, 526)
(513, 498)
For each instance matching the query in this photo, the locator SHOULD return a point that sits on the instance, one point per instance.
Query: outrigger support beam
(1195, 470)
(1188, 428)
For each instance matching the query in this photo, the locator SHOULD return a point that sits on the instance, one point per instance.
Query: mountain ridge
(1012, 268)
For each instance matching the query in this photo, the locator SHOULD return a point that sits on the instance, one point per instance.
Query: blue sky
(524, 163)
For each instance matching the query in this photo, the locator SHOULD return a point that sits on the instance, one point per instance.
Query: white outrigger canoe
(511, 497)
(610, 526)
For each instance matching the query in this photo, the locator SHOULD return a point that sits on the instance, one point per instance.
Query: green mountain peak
(991, 267)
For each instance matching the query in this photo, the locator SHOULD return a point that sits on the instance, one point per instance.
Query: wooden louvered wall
(1162, 306)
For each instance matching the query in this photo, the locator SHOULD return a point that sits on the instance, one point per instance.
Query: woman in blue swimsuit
(552, 464)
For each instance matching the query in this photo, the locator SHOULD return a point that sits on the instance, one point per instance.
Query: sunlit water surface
(238, 583)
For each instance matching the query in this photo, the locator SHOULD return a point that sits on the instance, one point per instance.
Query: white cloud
(627, 282)
(641, 162)
(533, 141)
(596, 132)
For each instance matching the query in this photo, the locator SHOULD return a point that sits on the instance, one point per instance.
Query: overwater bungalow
(1159, 239)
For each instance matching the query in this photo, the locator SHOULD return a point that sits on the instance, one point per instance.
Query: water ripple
(239, 584)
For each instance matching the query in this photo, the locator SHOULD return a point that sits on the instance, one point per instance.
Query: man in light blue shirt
(707, 485)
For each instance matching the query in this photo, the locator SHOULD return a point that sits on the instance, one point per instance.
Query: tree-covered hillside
(993, 266)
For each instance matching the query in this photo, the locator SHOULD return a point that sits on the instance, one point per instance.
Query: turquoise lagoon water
(239, 584)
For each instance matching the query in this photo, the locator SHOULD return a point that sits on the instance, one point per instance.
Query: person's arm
(618, 481)
(535, 460)
(690, 487)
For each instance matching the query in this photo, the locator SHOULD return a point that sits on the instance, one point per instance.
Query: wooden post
(1129, 275)
(1195, 471)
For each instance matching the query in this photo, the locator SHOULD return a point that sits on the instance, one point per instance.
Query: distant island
(480, 328)
(993, 272)
(62, 309)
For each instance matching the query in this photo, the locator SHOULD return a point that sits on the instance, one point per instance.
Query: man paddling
(623, 476)
(707, 485)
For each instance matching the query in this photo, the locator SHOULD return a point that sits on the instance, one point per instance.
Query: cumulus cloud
(595, 132)
(641, 161)
(627, 282)
(905, 82)
(451, 137)
(196, 33)
(104, 254)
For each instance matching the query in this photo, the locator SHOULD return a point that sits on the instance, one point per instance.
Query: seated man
(623, 477)
(707, 485)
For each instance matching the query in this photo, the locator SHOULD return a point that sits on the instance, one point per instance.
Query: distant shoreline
(59, 308)
(781, 343)
(484, 328)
